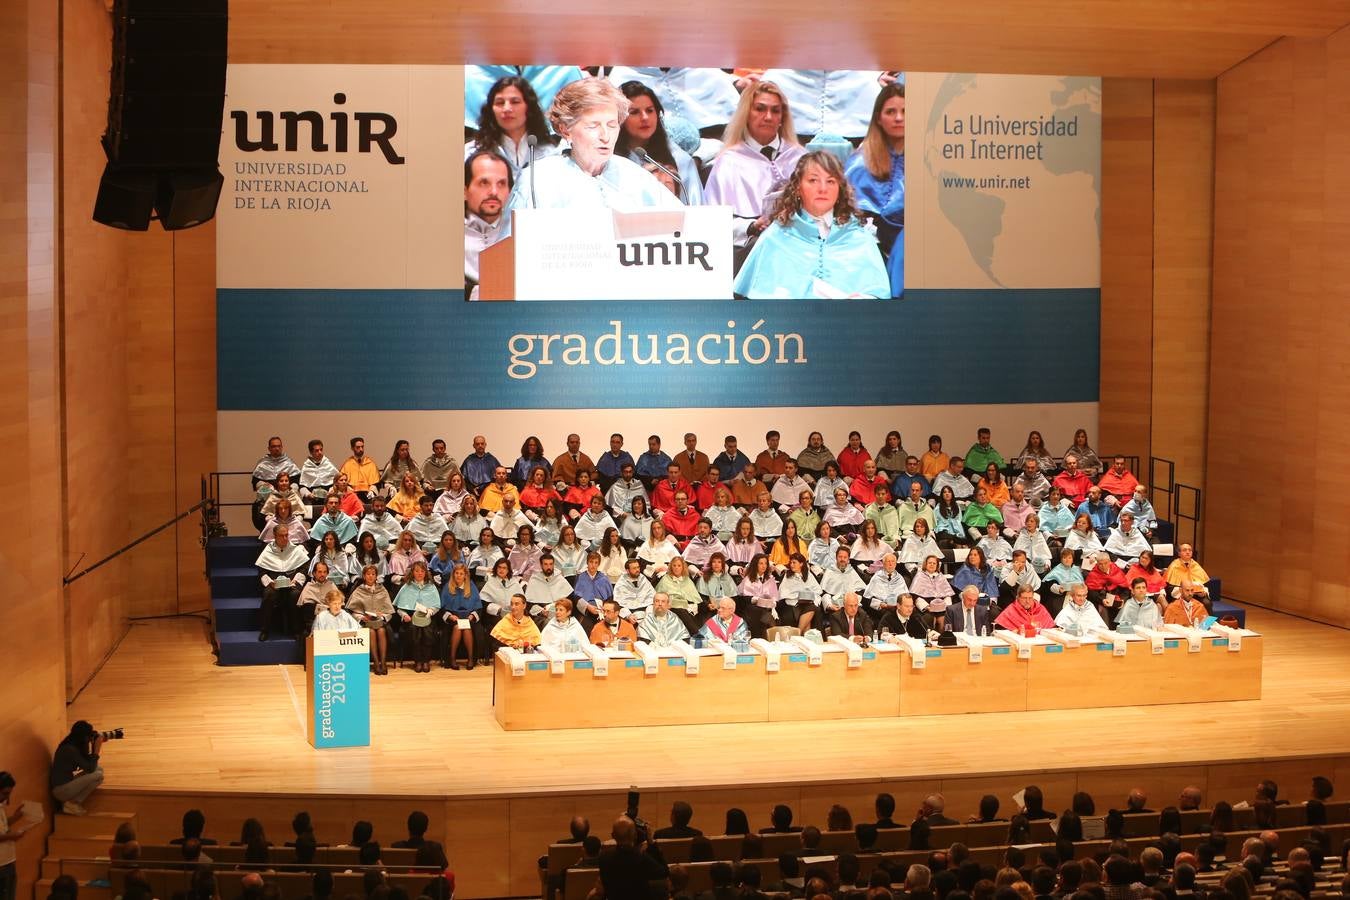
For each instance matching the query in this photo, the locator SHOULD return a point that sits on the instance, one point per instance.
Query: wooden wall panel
(32, 704)
(1280, 324)
(1127, 266)
(1183, 229)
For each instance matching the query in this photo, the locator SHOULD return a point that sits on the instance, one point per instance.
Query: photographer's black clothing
(70, 763)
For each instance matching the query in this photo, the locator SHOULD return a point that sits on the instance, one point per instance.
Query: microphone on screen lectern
(646, 157)
(531, 142)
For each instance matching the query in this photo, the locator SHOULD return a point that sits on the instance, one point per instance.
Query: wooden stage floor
(194, 726)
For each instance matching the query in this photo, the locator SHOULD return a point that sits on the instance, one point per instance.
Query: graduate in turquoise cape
(816, 245)
(509, 117)
(877, 174)
(645, 130)
(588, 114)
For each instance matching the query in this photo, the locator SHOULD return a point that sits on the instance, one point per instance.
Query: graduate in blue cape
(877, 174)
(589, 174)
(644, 130)
(545, 80)
(509, 117)
(816, 245)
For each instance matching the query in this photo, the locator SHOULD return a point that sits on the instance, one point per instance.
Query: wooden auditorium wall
(139, 372)
(1278, 383)
(32, 705)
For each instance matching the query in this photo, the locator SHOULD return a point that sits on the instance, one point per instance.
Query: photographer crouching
(75, 770)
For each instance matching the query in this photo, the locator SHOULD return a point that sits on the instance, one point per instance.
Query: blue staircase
(236, 601)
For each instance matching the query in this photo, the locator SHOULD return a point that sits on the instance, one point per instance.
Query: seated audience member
(1127, 542)
(805, 514)
(1106, 583)
(838, 579)
(766, 522)
(1079, 615)
(851, 620)
(678, 585)
(592, 525)
(692, 462)
(759, 153)
(1185, 610)
(972, 615)
(1032, 542)
(1026, 615)
(1072, 483)
(498, 588)
(853, 457)
(1082, 538)
(285, 515)
(788, 486)
(562, 631)
(637, 524)
(1015, 576)
(977, 571)
(313, 598)
(723, 516)
(372, 607)
(317, 472)
(884, 514)
(731, 461)
(657, 551)
(611, 463)
(545, 588)
(334, 617)
(417, 604)
(868, 548)
(274, 463)
(743, 546)
(484, 556)
(885, 587)
(994, 485)
(704, 544)
(342, 566)
(891, 458)
(716, 582)
(665, 491)
(661, 626)
(611, 629)
(1140, 610)
(613, 555)
(538, 491)
(577, 499)
(572, 463)
(997, 551)
(383, 524)
(437, 468)
(426, 526)
(1145, 516)
(932, 589)
(760, 590)
(589, 114)
(1088, 462)
(1145, 568)
(1118, 482)
(799, 592)
(650, 466)
(1065, 575)
(905, 480)
(404, 554)
(480, 466)
(813, 457)
(771, 463)
(626, 488)
(406, 501)
(1057, 516)
(934, 461)
(362, 473)
(948, 529)
(919, 545)
(842, 515)
(368, 553)
(490, 500)
(334, 520)
(516, 629)
(828, 484)
(1034, 450)
(348, 500)
(681, 814)
(448, 503)
(1101, 513)
(982, 453)
(932, 812)
(726, 626)
(282, 565)
(905, 619)
(569, 553)
(682, 520)
(633, 592)
(954, 477)
(1185, 569)
(283, 488)
(592, 588)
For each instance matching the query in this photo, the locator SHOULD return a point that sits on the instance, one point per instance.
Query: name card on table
(1234, 636)
(1117, 640)
(1193, 636)
(1022, 644)
(556, 659)
(1155, 639)
(973, 644)
(853, 650)
(771, 653)
(811, 648)
(917, 650)
(1062, 637)
(648, 657)
(691, 657)
(599, 660)
(513, 658)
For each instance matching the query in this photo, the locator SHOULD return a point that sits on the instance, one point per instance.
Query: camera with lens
(114, 735)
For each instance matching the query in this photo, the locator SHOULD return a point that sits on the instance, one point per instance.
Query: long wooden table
(886, 683)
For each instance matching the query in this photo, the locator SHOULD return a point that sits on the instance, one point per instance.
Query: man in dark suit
(971, 614)
(932, 811)
(680, 815)
(885, 809)
(852, 621)
(904, 619)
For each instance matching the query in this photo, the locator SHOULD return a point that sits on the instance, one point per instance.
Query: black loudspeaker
(164, 113)
(187, 197)
(126, 198)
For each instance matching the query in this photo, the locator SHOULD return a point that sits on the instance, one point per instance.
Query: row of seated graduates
(1036, 844)
(197, 867)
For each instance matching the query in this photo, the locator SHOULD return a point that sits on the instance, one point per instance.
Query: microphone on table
(646, 157)
(531, 142)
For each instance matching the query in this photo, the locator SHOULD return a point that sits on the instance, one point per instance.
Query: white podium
(599, 254)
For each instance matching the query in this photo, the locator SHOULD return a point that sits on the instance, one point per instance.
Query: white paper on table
(513, 658)
(691, 656)
(728, 653)
(1155, 639)
(853, 650)
(917, 650)
(1193, 636)
(811, 647)
(1023, 644)
(1019, 799)
(973, 645)
(650, 659)
(599, 660)
(556, 663)
(1234, 635)
(1062, 637)
(772, 657)
(33, 811)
